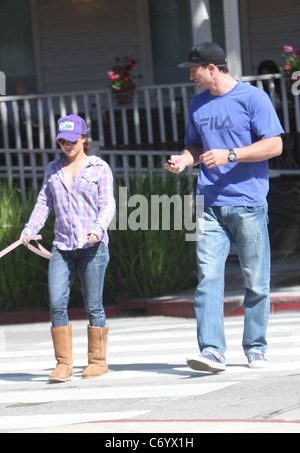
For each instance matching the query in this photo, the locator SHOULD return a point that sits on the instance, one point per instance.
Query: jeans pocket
(254, 208)
(257, 209)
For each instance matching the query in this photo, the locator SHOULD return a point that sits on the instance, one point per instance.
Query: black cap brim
(187, 64)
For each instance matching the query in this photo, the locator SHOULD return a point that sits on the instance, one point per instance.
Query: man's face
(201, 76)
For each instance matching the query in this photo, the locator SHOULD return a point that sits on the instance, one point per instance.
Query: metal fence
(26, 170)
(128, 133)
(152, 114)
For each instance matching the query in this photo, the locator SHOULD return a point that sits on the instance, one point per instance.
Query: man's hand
(176, 164)
(215, 158)
(189, 157)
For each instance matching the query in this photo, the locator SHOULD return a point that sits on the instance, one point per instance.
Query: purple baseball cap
(71, 127)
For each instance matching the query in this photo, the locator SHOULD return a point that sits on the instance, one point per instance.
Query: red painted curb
(181, 307)
(233, 306)
(28, 317)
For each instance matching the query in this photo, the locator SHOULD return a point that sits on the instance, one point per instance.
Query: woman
(80, 190)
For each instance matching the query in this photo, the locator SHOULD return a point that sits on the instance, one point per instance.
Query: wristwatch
(231, 156)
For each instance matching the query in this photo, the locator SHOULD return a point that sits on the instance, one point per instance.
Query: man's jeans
(247, 227)
(91, 263)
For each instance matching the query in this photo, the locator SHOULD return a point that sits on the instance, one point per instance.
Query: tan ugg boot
(62, 341)
(97, 338)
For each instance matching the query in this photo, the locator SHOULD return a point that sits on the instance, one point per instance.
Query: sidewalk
(285, 295)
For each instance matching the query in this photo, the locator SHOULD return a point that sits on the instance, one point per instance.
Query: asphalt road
(149, 388)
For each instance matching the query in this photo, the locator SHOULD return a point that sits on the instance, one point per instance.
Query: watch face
(231, 157)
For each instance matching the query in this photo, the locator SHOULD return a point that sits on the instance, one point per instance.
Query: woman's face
(72, 149)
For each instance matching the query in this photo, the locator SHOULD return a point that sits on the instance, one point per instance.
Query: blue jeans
(247, 227)
(91, 263)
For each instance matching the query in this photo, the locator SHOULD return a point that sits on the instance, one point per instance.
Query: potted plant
(122, 80)
(292, 60)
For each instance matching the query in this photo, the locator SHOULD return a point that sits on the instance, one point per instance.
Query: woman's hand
(92, 238)
(25, 237)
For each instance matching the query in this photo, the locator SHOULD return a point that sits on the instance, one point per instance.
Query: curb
(31, 317)
(184, 307)
(165, 306)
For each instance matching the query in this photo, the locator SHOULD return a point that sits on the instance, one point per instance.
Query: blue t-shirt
(236, 119)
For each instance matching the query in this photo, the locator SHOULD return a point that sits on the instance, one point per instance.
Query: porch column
(201, 21)
(232, 37)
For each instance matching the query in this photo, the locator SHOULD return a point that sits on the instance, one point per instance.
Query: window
(16, 46)
(171, 37)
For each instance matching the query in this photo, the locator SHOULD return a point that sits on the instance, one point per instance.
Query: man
(232, 131)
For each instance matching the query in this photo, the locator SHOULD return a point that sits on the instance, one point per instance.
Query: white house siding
(79, 40)
(266, 26)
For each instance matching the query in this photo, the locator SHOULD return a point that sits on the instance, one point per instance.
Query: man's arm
(262, 150)
(190, 156)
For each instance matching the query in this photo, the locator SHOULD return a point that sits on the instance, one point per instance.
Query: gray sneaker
(257, 360)
(206, 362)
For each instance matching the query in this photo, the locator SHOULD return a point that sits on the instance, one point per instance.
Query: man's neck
(223, 85)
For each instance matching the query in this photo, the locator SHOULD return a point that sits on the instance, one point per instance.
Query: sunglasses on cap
(62, 142)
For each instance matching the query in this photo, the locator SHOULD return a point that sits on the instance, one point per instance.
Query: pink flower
(114, 77)
(288, 49)
(287, 67)
(120, 74)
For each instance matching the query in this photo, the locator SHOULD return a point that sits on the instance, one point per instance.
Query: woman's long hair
(86, 145)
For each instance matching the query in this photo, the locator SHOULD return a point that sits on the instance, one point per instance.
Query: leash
(41, 251)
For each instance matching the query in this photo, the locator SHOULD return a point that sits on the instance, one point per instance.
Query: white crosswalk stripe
(147, 364)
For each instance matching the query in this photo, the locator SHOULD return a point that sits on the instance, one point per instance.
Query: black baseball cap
(203, 54)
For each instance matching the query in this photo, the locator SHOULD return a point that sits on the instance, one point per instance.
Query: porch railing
(151, 124)
(153, 114)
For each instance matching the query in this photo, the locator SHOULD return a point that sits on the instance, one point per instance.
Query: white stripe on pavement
(46, 421)
(146, 391)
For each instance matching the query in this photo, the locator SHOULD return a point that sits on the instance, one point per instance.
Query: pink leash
(41, 251)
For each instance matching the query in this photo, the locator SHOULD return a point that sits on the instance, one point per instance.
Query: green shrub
(292, 239)
(23, 275)
(151, 263)
(143, 264)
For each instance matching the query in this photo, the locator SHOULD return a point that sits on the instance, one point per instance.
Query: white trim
(232, 37)
(37, 46)
(144, 40)
(245, 38)
(200, 13)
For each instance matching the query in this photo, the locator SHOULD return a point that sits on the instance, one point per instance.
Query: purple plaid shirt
(87, 207)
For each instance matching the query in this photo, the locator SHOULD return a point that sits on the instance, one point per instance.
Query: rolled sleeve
(41, 209)
(106, 203)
